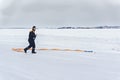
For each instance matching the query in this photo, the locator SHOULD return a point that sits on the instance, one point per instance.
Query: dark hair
(34, 27)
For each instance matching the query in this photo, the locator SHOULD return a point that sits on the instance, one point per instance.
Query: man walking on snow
(31, 40)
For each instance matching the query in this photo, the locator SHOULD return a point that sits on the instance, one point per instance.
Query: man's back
(32, 35)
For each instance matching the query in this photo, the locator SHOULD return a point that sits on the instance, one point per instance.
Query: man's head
(33, 28)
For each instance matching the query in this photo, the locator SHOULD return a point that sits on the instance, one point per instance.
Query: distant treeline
(98, 27)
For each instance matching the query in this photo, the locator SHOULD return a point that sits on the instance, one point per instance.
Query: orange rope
(54, 49)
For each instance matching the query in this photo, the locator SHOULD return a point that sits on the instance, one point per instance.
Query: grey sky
(56, 13)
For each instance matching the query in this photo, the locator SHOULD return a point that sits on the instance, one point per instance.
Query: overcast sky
(57, 13)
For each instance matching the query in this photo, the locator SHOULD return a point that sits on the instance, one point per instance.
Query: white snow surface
(102, 64)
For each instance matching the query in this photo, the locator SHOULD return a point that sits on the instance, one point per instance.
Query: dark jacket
(32, 36)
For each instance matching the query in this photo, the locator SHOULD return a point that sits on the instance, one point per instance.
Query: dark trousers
(31, 45)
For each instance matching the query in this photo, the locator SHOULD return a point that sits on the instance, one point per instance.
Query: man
(31, 40)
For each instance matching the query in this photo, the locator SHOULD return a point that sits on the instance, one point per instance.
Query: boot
(25, 50)
(33, 51)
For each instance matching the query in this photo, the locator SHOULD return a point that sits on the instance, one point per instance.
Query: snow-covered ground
(102, 64)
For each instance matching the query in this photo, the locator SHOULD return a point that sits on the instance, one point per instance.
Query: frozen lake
(103, 64)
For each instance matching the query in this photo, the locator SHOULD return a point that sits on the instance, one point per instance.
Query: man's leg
(33, 47)
(30, 45)
(25, 49)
